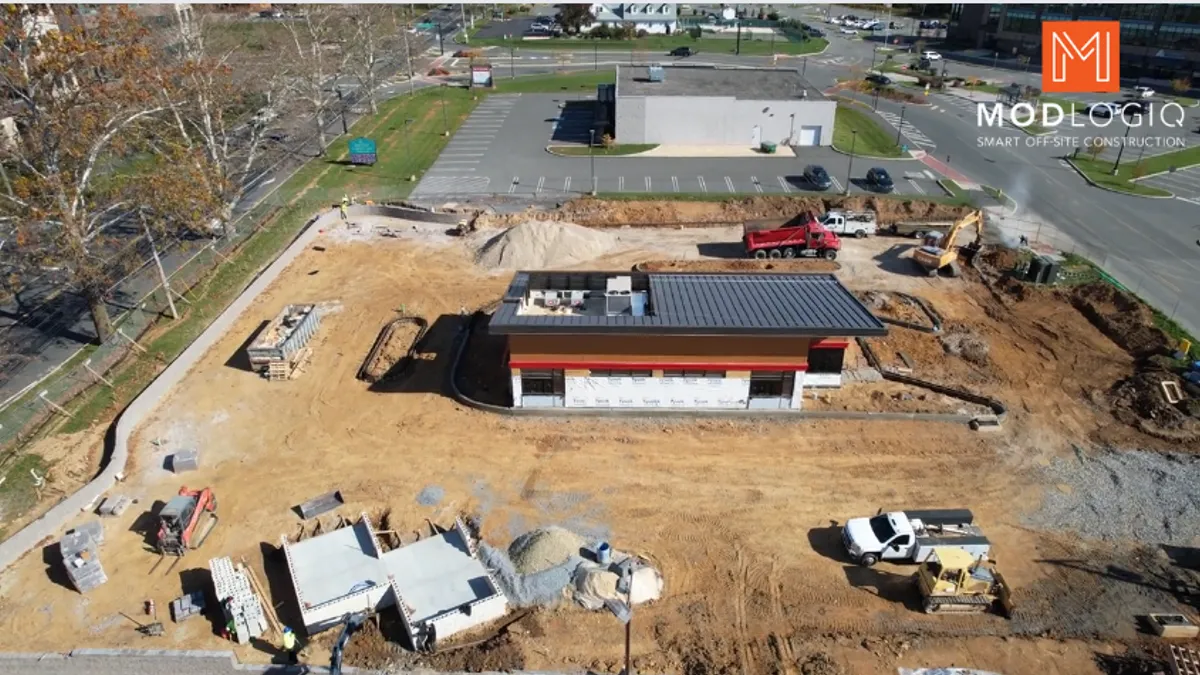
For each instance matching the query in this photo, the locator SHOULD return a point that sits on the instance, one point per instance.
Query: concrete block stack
(185, 460)
(80, 554)
(114, 505)
(187, 606)
(244, 607)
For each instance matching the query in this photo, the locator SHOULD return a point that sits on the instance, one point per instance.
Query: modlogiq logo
(1081, 57)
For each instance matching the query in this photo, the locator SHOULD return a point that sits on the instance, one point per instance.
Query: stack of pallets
(1184, 661)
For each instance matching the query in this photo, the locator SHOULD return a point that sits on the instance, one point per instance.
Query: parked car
(816, 176)
(1103, 109)
(879, 79)
(682, 52)
(848, 31)
(1143, 92)
(816, 33)
(931, 55)
(1136, 107)
(879, 180)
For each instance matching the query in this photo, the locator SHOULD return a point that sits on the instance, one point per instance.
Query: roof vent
(657, 74)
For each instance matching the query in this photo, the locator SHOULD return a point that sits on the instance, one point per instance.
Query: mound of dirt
(958, 340)
(543, 548)
(655, 213)
(814, 266)
(1139, 401)
(544, 245)
(1122, 318)
(820, 663)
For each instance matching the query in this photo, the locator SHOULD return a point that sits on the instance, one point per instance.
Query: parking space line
(703, 187)
(918, 188)
(836, 185)
(729, 183)
(567, 184)
(513, 186)
(455, 169)
(1189, 200)
(674, 184)
(648, 189)
(621, 184)
(757, 186)
(783, 184)
(463, 154)
(541, 182)
(458, 161)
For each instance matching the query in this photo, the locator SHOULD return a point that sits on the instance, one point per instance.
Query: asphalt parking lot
(1185, 183)
(501, 150)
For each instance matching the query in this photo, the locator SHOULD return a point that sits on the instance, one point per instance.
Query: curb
(1161, 173)
(1108, 189)
(859, 154)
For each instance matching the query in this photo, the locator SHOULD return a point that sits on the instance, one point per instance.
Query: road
(51, 323)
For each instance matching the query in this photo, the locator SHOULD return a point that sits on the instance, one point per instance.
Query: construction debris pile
(243, 611)
(547, 565)
(279, 350)
(81, 557)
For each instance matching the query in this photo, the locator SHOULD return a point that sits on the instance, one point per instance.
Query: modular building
(704, 105)
(676, 340)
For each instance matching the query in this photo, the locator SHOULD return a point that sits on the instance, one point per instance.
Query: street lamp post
(342, 105)
(407, 122)
(512, 67)
(850, 169)
(901, 126)
(595, 55)
(1121, 150)
(792, 130)
(592, 157)
(804, 66)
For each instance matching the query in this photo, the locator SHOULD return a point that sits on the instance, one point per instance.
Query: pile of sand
(544, 245)
(541, 549)
(595, 585)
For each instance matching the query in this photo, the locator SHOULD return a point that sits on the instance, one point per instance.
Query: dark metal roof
(796, 305)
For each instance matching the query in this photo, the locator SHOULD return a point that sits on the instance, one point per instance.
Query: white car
(931, 56)
(848, 31)
(1143, 92)
(835, 21)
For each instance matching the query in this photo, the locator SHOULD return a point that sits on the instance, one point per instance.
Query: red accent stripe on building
(634, 365)
(829, 344)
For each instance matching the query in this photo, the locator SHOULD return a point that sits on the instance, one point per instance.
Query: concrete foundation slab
(438, 574)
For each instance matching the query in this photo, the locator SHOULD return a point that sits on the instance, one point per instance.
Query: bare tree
(218, 120)
(320, 58)
(83, 114)
(375, 29)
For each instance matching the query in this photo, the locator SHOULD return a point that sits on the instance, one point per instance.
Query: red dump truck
(805, 237)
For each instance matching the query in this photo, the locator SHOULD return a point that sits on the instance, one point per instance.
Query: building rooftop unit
(768, 84)
(784, 305)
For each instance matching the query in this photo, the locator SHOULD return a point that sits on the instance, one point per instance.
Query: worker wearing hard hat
(290, 646)
(345, 203)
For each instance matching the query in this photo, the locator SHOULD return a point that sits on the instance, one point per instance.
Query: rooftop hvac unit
(577, 298)
(618, 296)
(551, 299)
(657, 73)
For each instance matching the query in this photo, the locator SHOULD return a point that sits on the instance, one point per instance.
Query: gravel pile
(1144, 496)
(543, 548)
(544, 589)
(544, 245)
(432, 495)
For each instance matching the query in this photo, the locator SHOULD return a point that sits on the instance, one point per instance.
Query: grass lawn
(952, 188)
(612, 151)
(871, 140)
(664, 44)
(984, 87)
(1068, 105)
(1185, 101)
(1099, 171)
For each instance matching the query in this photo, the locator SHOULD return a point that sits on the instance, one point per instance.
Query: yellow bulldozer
(937, 251)
(951, 580)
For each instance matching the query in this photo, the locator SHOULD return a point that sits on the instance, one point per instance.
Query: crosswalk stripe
(783, 184)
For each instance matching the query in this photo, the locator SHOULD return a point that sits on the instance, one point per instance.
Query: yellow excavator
(937, 251)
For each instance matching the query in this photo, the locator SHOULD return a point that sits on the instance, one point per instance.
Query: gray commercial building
(698, 105)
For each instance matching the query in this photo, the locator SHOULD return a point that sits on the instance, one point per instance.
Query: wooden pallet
(277, 371)
(1184, 661)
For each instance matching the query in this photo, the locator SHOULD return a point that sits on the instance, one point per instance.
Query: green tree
(574, 17)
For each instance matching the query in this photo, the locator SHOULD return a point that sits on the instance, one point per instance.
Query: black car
(816, 33)
(682, 51)
(878, 179)
(879, 80)
(816, 176)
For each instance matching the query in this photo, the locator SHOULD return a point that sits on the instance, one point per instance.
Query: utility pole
(462, 8)
(342, 111)
(512, 67)
(902, 109)
(162, 275)
(441, 40)
(1121, 150)
(738, 47)
(595, 55)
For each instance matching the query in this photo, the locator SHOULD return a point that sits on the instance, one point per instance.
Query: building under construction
(661, 340)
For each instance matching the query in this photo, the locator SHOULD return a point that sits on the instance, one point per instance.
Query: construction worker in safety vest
(290, 646)
(345, 203)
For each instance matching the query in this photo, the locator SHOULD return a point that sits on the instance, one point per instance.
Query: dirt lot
(739, 516)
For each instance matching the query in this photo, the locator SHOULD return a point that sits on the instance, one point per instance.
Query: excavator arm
(973, 218)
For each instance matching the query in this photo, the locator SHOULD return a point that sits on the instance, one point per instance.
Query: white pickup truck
(910, 536)
(855, 223)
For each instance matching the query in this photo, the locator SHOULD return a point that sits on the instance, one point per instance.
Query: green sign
(362, 151)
